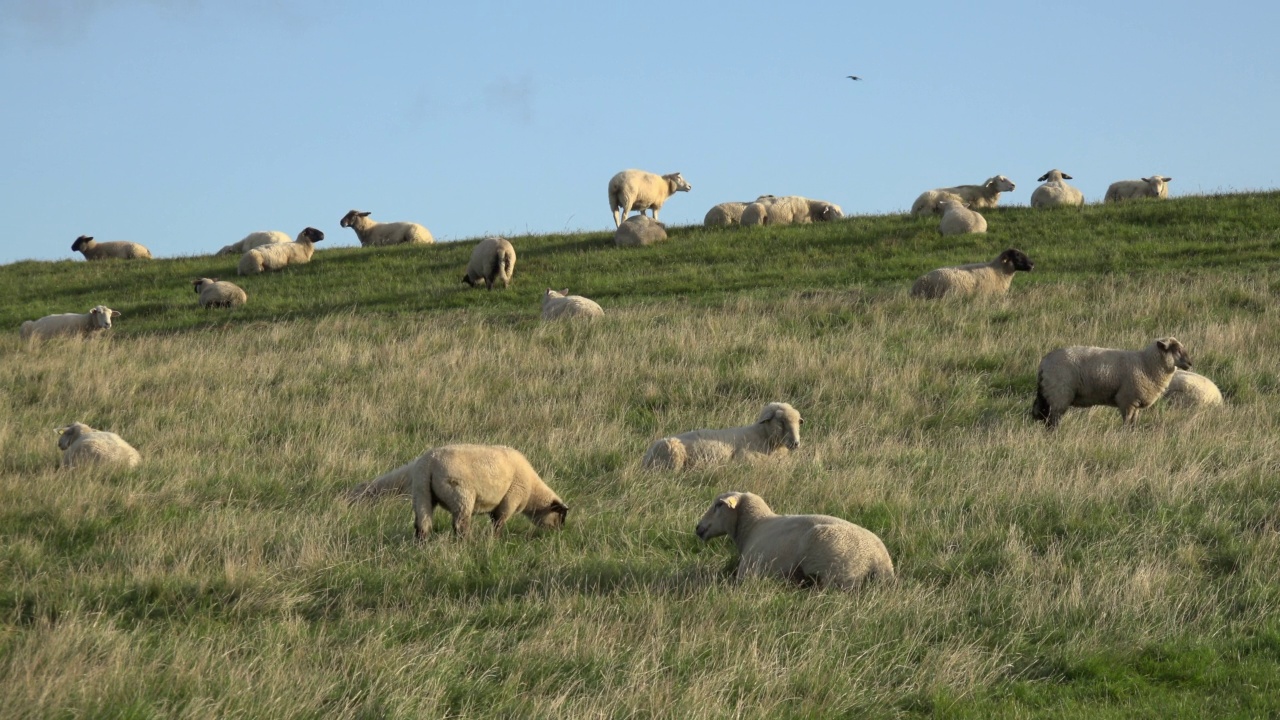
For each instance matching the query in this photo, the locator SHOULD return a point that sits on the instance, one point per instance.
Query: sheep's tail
(395, 482)
(1040, 408)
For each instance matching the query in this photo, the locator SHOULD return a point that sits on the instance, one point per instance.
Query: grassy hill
(1096, 571)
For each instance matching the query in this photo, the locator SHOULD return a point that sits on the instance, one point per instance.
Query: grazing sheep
(560, 304)
(789, 210)
(281, 255)
(986, 195)
(989, 278)
(96, 320)
(1055, 192)
(807, 549)
(215, 293)
(1190, 389)
(118, 249)
(639, 230)
(1127, 380)
(775, 432)
(493, 259)
(373, 233)
(639, 190)
(253, 240)
(82, 445)
(958, 219)
(1155, 186)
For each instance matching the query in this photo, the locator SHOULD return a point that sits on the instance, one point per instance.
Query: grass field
(1097, 571)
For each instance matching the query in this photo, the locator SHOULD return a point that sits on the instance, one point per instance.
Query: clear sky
(185, 124)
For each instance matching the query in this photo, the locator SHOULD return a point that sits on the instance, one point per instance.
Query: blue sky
(184, 125)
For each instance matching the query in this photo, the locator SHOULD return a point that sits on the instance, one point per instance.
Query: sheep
(253, 240)
(989, 278)
(1055, 192)
(468, 479)
(775, 432)
(986, 195)
(639, 231)
(729, 213)
(790, 209)
(281, 255)
(215, 293)
(1190, 389)
(958, 219)
(930, 202)
(1155, 186)
(639, 190)
(373, 233)
(96, 320)
(558, 304)
(82, 445)
(1127, 380)
(118, 249)
(807, 549)
(493, 259)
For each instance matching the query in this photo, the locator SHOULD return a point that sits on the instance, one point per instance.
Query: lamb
(560, 304)
(281, 255)
(117, 249)
(639, 231)
(1055, 192)
(790, 209)
(468, 479)
(82, 445)
(493, 259)
(989, 278)
(253, 240)
(729, 213)
(373, 233)
(1190, 389)
(986, 195)
(775, 432)
(1149, 187)
(215, 293)
(639, 190)
(958, 219)
(96, 320)
(807, 549)
(1127, 380)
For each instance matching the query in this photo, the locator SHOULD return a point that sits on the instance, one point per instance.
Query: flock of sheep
(500, 482)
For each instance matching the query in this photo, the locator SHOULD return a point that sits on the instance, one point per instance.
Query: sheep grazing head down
(349, 219)
(1174, 354)
(784, 424)
(721, 518)
(1014, 259)
(551, 517)
(101, 316)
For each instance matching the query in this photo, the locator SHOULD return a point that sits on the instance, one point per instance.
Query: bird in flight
(853, 77)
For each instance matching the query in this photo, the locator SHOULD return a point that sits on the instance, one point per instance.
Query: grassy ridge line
(699, 265)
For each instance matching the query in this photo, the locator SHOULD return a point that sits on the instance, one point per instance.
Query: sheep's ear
(565, 292)
(1164, 346)
(115, 314)
(1067, 177)
(560, 507)
(365, 214)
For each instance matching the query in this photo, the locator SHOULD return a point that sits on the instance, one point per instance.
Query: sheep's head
(198, 285)
(1013, 260)
(100, 316)
(677, 183)
(828, 211)
(351, 218)
(310, 234)
(784, 424)
(1174, 354)
(553, 294)
(71, 433)
(552, 516)
(1158, 185)
(721, 518)
(81, 242)
(1000, 183)
(1054, 176)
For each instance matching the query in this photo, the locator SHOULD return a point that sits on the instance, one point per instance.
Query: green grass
(1097, 571)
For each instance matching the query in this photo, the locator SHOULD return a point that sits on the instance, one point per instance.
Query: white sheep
(639, 190)
(1055, 192)
(215, 293)
(96, 320)
(253, 240)
(493, 259)
(82, 445)
(958, 219)
(788, 210)
(638, 231)
(989, 278)
(775, 432)
(1127, 380)
(1190, 389)
(986, 195)
(1155, 186)
(373, 233)
(729, 213)
(930, 202)
(281, 255)
(117, 249)
(820, 550)
(558, 304)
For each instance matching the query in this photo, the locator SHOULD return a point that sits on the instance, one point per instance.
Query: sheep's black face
(312, 234)
(1018, 260)
(80, 242)
(552, 517)
(1176, 353)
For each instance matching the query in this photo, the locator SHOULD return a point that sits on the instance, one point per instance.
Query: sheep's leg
(655, 213)
(616, 222)
(502, 513)
(422, 519)
(1129, 413)
(462, 514)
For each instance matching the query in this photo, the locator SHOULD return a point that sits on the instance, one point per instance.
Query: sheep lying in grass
(1155, 186)
(775, 432)
(986, 195)
(1127, 380)
(82, 445)
(493, 259)
(117, 249)
(1189, 389)
(1055, 192)
(215, 293)
(808, 549)
(279, 256)
(96, 320)
(930, 202)
(989, 278)
(789, 210)
(560, 304)
(639, 190)
(958, 219)
(729, 213)
(253, 240)
(638, 231)
(373, 233)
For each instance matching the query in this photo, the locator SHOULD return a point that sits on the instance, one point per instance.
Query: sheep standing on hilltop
(775, 432)
(1055, 192)
(1127, 380)
(117, 249)
(493, 259)
(96, 320)
(989, 278)
(82, 445)
(1155, 186)
(373, 233)
(986, 195)
(281, 255)
(639, 190)
(253, 240)
(215, 293)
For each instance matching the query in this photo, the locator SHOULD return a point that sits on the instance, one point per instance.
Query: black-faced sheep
(96, 320)
(639, 190)
(117, 249)
(373, 233)
(986, 195)
(82, 445)
(1149, 187)
(775, 432)
(558, 304)
(1055, 192)
(493, 259)
(281, 255)
(1127, 380)
(215, 293)
(989, 278)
